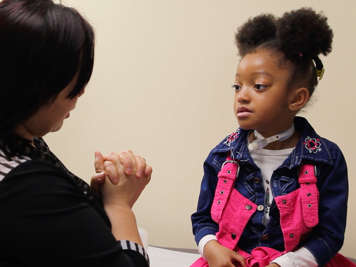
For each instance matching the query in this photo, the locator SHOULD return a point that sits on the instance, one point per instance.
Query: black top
(49, 217)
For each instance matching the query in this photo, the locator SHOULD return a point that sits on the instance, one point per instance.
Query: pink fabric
(299, 209)
(226, 178)
(240, 210)
(260, 256)
(298, 214)
(309, 195)
(338, 260)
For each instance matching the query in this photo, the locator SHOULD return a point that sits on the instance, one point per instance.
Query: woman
(50, 217)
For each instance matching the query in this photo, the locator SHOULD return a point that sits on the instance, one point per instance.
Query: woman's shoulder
(26, 178)
(9, 164)
(23, 166)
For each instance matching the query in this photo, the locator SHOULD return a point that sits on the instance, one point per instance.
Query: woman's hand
(128, 174)
(98, 179)
(273, 265)
(220, 256)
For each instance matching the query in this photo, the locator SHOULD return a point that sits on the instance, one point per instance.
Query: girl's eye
(236, 86)
(260, 87)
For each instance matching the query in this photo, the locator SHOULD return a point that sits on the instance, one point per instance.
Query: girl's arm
(202, 223)
(326, 239)
(301, 258)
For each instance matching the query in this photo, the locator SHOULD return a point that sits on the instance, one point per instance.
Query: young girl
(274, 193)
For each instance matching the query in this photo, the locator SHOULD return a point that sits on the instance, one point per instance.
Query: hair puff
(303, 34)
(256, 31)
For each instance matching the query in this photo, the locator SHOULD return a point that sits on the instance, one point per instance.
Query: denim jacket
(331, 171)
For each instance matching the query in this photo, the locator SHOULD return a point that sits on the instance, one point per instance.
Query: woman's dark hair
(43, 45)
(300, 35)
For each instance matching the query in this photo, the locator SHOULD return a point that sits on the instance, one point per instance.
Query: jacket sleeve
(49, 222)
(201, 219)
(328, 236)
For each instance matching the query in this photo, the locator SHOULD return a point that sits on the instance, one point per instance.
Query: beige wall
(162, 87)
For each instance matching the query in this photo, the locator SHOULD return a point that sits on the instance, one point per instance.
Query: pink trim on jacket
(298, 215)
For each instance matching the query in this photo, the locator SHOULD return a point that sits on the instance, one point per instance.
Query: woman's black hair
(300, 35)
(43, 45)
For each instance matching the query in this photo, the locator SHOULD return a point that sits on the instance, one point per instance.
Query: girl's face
(262, 94)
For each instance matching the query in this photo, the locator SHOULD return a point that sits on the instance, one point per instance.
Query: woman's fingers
(97, 180)
(128, 162)
(111, 171)
(148, 173)
(140, 166)
(99, 162)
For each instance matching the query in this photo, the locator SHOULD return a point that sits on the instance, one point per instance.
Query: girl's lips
(243, 109)
(243, 113)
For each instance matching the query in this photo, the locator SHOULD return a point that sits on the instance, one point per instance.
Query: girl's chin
(245, 125)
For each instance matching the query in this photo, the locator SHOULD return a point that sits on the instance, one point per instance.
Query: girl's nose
(242, 95)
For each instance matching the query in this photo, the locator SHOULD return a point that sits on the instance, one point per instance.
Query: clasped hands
(120, 178)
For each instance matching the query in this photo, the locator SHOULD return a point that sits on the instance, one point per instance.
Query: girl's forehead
(263, 61)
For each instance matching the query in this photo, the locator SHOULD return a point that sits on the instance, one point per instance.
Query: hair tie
(319, 68)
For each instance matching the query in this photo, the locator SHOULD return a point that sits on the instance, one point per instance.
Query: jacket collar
(310, 147)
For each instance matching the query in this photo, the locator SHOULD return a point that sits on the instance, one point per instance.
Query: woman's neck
(23, 132)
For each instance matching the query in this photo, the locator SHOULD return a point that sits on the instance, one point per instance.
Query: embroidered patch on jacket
(313, 145)
(232, 137)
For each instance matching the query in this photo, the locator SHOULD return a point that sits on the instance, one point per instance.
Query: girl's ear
(298, 98)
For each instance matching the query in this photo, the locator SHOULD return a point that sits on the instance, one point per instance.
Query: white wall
(162, 87)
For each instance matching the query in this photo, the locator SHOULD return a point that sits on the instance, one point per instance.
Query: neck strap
(261, 142)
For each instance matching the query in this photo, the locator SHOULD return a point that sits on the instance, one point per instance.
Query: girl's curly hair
(300, 35)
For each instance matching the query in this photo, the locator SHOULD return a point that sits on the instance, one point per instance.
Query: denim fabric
(326, 238)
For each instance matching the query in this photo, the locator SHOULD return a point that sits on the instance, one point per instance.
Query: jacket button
(291, 235)
(233, 236)
(225, 181)
(256, 180)
(221, 192)
(265, 237)
(248, 207)
(284, 201)
(228, 171)
(260, 207)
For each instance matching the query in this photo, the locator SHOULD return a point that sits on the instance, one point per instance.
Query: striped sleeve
(6, 164)
(129, 245)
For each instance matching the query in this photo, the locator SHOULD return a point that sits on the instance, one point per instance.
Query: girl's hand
(130, 172)
(220, 256)
(273, 265)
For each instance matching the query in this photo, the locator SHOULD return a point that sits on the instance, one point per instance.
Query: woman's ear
(298, 98)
